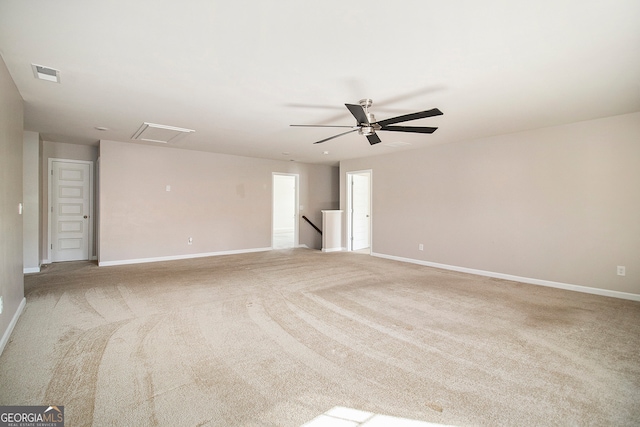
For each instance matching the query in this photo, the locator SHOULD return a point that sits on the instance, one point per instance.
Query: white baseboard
(46, 261)
(14, 320)
(29, 270)
(567, 286)
(178, 257)
(332, 250)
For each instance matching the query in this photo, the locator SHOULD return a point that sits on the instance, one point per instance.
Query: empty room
(409, 213)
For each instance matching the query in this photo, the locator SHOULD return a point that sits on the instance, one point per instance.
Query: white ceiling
(240, 72)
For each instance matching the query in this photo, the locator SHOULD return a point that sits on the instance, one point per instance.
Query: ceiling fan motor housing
(366, 130)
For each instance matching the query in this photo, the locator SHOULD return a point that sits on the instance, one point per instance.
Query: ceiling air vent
(46, 73)
(159, 133)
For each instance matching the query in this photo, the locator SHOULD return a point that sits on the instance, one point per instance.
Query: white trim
(332, 250)
(348, 217)
(559, 285)
(29, 270)
(179, 257)
(90, 228)
(14, 321)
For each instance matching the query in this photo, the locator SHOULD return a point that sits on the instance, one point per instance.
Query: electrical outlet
(421, 247)
(622, 270)
(190, 241)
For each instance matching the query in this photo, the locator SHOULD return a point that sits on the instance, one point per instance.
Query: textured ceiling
(240, 72)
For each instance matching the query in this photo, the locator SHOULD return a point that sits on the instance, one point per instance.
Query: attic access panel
(164, 134)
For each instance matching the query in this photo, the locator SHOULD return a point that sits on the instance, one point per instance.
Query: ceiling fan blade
(322, 126)
(409, 117)
(373, 139)
(358, 113)
(414, 129)
(335, 136)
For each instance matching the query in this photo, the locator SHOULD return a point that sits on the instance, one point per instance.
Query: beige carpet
(278, 338)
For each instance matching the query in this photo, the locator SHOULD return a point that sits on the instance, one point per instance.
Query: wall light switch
(622, 270)
(168, 188)
(20, 207)
(421, 247)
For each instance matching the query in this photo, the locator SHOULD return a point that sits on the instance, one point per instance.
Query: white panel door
(70, 201)
(284, 230)
(360, 211)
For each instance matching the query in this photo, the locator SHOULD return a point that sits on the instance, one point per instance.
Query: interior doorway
(359, 211)
(70, 210)
(285, 211)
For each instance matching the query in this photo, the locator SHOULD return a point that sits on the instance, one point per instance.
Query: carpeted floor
(277, 338)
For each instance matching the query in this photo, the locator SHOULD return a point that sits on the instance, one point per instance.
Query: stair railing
(312, 224)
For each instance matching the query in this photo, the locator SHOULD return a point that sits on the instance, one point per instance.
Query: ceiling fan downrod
(370, 128)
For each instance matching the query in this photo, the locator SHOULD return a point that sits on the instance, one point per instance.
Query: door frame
(296, 222)
(349, 211)
(90, 228)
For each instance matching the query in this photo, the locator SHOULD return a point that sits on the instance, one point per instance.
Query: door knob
(85, 217)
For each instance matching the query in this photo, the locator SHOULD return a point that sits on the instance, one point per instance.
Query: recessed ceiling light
(325, 152)
(46, 73)
(101, 128)
(285, 153)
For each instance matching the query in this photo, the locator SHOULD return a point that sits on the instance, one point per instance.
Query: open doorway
(285, 211)
(359, 211)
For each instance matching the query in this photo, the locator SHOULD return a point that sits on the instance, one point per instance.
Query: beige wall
(11, 134)
(558, 204)
(223, 202)
(61, 150)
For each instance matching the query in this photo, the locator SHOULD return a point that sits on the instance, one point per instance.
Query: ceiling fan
(367, 125)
